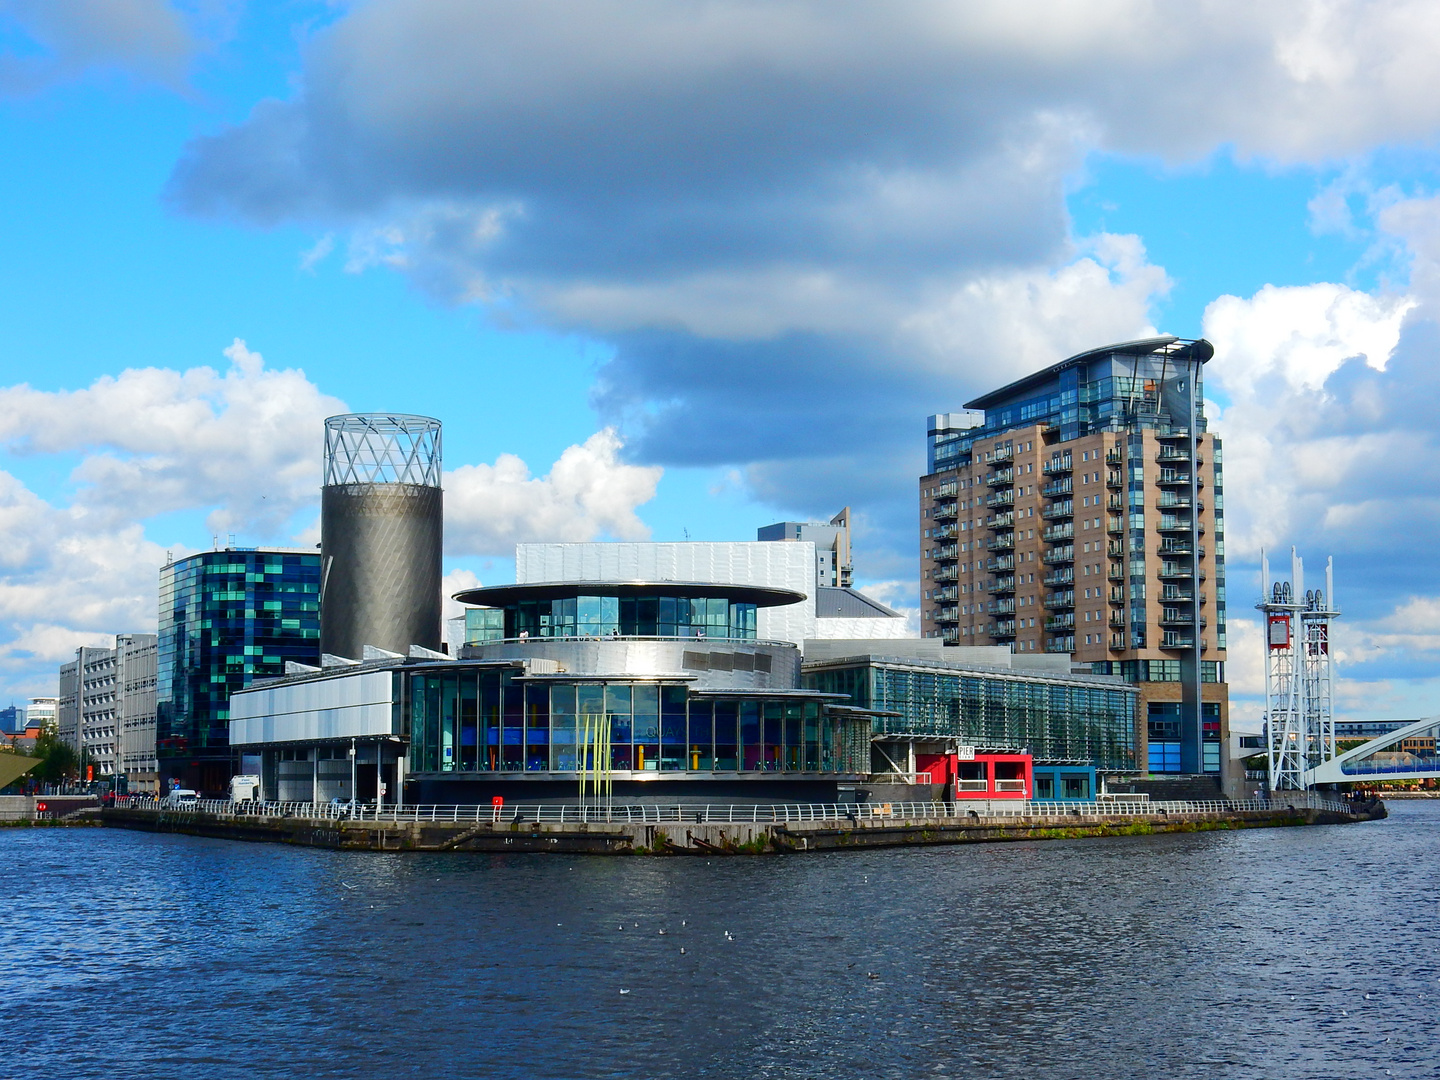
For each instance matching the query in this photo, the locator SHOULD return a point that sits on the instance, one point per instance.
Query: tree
(59, 761)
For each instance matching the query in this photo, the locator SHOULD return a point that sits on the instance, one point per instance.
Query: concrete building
(833, 566)
(226, 617)
(88, 710)
(136, 658)
(1078, 511)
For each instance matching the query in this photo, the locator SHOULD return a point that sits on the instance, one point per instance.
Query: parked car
(182, 797)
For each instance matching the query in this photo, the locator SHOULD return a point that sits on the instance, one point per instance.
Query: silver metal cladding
(381, 532)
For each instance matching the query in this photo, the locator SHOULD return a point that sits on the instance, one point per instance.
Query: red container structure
(983, 776)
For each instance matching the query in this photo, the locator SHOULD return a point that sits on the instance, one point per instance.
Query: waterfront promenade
(712, 830)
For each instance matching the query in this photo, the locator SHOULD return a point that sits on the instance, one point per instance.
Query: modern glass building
(1058, 718)
(1080, 511)
(226, 618)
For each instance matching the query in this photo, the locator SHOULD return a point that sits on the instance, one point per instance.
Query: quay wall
(702, 837)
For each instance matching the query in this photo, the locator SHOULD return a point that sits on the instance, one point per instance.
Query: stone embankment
(709, 837)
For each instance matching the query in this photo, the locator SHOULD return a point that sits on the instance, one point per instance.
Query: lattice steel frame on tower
(382, 448)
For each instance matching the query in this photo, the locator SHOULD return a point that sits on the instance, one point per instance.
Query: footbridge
(1407, 753)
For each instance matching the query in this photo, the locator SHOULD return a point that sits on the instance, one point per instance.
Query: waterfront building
(658, 690)
(931, 703)
(833, 568)
(1079, 512)
(87, 709)
(136, 659)
(226, 617)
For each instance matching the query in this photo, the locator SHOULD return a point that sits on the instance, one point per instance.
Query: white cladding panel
(881, 626)
(781, 564)
(342, 707)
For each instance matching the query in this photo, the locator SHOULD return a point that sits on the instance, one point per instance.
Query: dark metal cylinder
(380, 534)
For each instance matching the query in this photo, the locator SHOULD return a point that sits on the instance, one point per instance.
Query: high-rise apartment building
(226, 617)
(1079, 510)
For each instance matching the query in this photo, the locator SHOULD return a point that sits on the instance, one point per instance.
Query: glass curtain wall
(611, 616)
(487, 721)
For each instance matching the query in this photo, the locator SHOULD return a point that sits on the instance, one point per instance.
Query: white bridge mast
(1299, 675)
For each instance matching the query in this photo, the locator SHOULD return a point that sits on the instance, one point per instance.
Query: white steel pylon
(1299, 675)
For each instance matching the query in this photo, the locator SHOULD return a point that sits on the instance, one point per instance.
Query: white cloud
(588, 493)
(246, 443)
(456, 581)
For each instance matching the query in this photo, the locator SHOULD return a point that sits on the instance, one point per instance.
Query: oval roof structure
(500, 595)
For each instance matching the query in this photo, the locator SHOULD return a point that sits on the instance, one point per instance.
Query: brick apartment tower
(1079, 510)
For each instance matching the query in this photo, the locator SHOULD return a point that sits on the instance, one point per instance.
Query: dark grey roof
(833, 603)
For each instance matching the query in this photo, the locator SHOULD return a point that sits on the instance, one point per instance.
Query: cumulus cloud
(245, 443)
(588, 493)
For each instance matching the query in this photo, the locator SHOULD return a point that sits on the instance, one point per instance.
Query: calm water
(1213, 955)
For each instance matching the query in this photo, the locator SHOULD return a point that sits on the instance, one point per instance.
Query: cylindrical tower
(381, 525)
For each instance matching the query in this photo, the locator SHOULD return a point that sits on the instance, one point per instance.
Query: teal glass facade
(478, 720)
(1055, 721)
(612, 616)
(226, 617)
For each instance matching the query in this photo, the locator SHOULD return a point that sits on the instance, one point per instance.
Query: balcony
(1061, 644)
(1003, 584)
(1000, 498)
(1166, 433)
(1115, 504)
(1060, 622)
(1060, 600)
(1061, 577)
(1173, 639)
(1117, 572)
(1000, 562)
(1173, 453)
(1172, 546)
(1056, 533)
(1001, 607)
(1179, 617)
(948, 553)
(1001, 521)
(1114, 479)
(948, 490)
(1114, 456)
(1056, 556)
(1117, 620)
(946, 511)
(1175, 572)
(1057, 466)
(945, 532)
(1006, 453)
(946, 573)
(950, 633)
(1117, 642)
(1003, 629)
(1056, 488)
(1172, 594)
(1173, 478)
(1001, 542)
(1116, 524)
(1000, 478)
(1115, 549)
(950, 592)
(1059, 510)
(1168, 523)
(947, 614)
(1117, 595)
(1171, 501)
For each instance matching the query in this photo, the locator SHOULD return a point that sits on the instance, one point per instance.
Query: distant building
(136, 658)
(41, 714)
(226, 617)
(12, 721)
(833, 567)
(1078, 511)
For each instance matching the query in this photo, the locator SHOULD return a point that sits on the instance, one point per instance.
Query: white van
(182, 796)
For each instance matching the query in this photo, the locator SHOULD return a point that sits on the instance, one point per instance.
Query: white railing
(728, 812)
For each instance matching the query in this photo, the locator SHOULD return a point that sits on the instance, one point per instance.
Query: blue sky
(677, 270)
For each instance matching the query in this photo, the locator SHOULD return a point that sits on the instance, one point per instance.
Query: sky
(679, 270)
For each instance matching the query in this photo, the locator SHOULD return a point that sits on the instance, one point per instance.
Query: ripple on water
(1204, 955)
